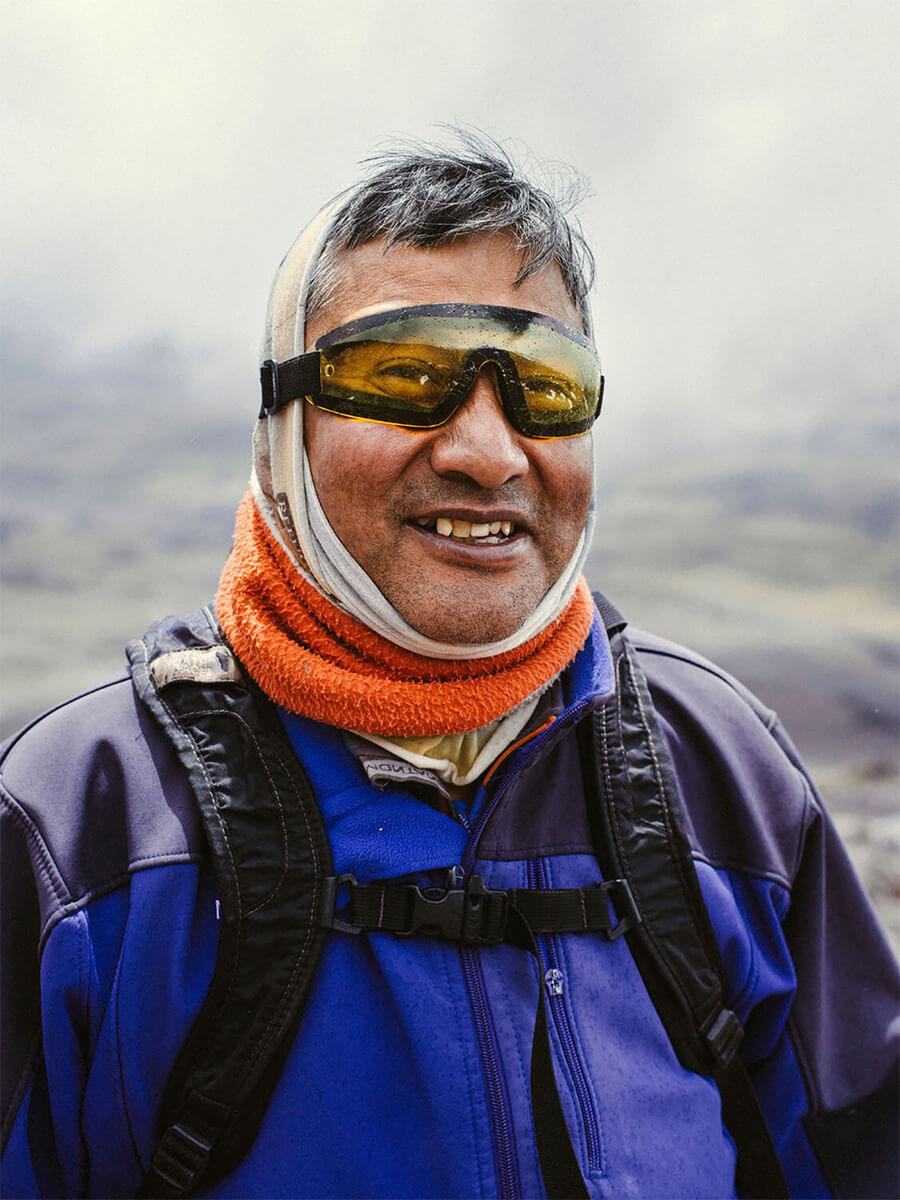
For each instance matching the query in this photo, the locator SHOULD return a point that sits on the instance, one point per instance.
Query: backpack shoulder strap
(638, 832)
(270, 854)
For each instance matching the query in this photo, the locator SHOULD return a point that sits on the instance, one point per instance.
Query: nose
(478, 442)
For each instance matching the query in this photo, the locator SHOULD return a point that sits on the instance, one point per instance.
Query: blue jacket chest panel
(388, 1088)
(390, 1034)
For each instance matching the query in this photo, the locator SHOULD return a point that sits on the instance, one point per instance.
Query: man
(406, 680)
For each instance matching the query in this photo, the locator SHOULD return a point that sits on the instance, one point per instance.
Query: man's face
(384, 488)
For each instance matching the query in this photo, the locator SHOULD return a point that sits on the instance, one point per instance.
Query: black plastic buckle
(624, 908)
(268, 382)
(473, 915)
(724, 1036)
(329, 918)
(180, 1158)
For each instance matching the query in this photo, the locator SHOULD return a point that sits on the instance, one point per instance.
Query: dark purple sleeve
(753, 813)
(844, 1021)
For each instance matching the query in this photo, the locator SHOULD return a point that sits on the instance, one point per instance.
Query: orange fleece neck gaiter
(315, 660)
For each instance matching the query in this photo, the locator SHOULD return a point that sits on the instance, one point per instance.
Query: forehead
(474, 270)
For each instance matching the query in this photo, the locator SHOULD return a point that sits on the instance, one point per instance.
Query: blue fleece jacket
(410, 1072)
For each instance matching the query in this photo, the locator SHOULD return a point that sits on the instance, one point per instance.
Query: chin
(471, 632)
(480, 638)
(464, 615)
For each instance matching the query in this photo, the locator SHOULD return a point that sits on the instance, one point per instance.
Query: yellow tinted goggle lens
(421, 375)
(551, 393)
(415, 366)
(413, 373)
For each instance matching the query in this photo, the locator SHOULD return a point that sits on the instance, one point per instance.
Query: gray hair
(422, 194)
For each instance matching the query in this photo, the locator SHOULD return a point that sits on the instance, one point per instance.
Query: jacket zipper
(537, 877)
(505, 1159)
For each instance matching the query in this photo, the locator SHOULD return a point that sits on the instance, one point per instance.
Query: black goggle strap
(280, 383)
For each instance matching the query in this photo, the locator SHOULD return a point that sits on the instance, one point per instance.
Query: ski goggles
(414, 367)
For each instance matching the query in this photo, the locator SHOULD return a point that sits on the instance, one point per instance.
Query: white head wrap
(286, 497)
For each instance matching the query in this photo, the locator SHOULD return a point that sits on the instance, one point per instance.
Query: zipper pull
(456, 876)
(554, 981)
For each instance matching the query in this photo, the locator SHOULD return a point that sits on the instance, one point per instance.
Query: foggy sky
(743, 160)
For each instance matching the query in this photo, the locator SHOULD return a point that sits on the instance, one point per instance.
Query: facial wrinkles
(413, 508)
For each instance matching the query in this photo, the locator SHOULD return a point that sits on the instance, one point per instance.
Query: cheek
(568, 471)
(352, 462)
(322, 442)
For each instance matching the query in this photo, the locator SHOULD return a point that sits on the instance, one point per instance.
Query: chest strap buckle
(473, 915)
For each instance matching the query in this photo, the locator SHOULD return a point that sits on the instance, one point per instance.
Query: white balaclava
(286, 497)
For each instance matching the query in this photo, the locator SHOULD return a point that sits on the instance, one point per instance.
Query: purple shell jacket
(409, 1073)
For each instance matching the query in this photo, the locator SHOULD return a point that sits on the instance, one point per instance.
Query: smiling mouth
(471, 533)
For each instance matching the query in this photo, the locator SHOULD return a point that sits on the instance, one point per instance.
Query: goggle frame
(303, 376)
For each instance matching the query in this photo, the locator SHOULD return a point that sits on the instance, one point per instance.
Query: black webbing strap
(559, 1164)
(758, 1172)
(280, 383)
(639, 835)
(475, 915)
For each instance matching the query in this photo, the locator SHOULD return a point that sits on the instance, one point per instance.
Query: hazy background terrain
(743, 162)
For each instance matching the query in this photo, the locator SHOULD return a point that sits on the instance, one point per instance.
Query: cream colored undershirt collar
(462, 758)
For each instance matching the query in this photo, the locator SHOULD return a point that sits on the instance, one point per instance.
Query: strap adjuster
(180, 1158)
(624, 907)
(724, 1036)
(268, 382)
(329, 918)
(475, 915)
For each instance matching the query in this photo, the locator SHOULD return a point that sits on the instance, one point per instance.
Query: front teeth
(469, 531)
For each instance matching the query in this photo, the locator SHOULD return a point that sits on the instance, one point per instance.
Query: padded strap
(270, 852)
(613, 621)
(638, 832)
(640, 836)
